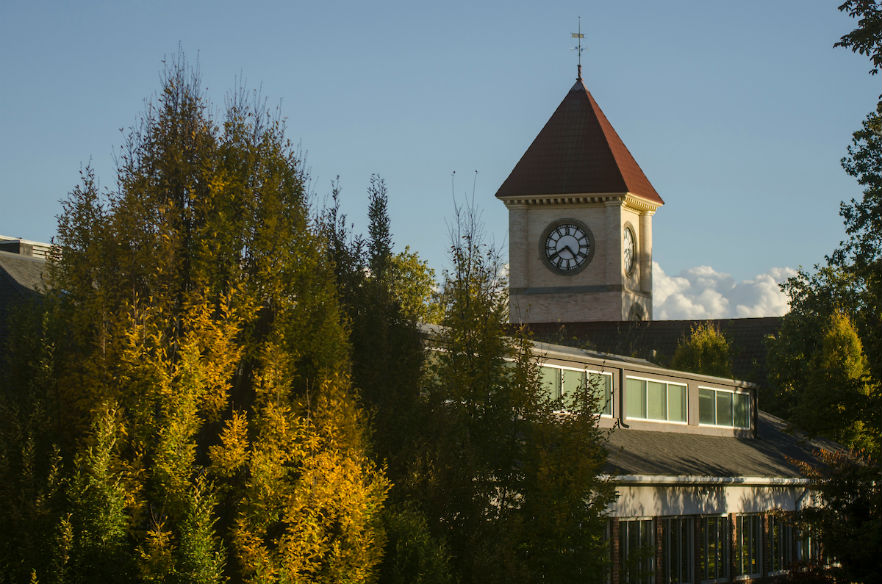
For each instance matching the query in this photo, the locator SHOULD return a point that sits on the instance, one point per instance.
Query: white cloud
(702, 292)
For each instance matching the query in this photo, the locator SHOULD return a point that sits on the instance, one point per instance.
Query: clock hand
(569, 249)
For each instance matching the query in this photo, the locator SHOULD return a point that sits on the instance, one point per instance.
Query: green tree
(826, 362)
(834, 399)
(866, 39)
(385, 297)
(813, 298)
(850, 520)
(197, 368)
(511, 484)
(706, 350)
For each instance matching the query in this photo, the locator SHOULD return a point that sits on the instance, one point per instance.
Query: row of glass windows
(637, 548)
(564, 383)
(655, 400)
(650, 399)
(723, 408)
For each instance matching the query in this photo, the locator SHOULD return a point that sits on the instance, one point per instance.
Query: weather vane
(578, 48)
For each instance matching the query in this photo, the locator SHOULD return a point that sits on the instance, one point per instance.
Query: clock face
(568, 246)
(628, 250)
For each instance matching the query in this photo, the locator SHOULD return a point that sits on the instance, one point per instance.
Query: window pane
(747, 551)
(635, 398)
(677, 403)
(742, 410)
(706, 406)
(714, 556)
(677, 553)
(637, 551)
(724, 408)
(550, 378)
(656, 398)
(570, 383)
(602, 386)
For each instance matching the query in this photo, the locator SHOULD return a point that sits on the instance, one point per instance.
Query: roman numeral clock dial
(568, 246)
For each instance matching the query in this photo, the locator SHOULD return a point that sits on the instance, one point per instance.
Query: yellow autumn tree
(197, 388)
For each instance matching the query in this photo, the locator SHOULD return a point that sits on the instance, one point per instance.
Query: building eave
(652, 480)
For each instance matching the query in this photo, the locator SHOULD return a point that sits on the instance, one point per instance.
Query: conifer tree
(385, 295)
(513, 505)
(199, 374)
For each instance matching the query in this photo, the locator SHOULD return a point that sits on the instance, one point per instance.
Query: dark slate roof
(22, 278)
(770, 454)
(656, 340)
(578, 152)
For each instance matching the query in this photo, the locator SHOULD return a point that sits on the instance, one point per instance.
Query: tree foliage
(850, 520)
(510, 480)
(866, 39)
(826, 362)
(706, 350)
(221, 388)
(386, 297)
(834, 399)
(835, 320)
(195, 371)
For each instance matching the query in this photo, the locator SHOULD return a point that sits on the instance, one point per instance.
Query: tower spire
(578, 48)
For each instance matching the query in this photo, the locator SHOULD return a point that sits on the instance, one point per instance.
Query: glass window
(724, 408)
(601, 383)
(748, 534)
(742, 410)
(706, 413)
(678, 550)
(550, 379)
(780, 544)
(656, 397)
(807, 547)
(655, 400)
(635, 398)
(571, 381)
(677, 402)
(713, 562)
(637, 551)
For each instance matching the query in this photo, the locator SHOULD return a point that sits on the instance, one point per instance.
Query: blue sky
(737, 112)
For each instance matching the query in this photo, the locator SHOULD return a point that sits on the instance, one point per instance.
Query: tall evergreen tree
(384, 295)
(514, 505)
(199, 375)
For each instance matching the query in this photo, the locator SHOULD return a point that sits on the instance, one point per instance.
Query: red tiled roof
(578, 151)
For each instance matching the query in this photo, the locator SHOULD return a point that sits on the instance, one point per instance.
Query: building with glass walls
(705, 479)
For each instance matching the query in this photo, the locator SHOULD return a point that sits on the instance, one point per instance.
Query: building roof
(656, 340)
(578, 152)
(772, 454)
(22, 278)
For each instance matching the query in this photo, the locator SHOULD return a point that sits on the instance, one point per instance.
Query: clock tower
(579, 222)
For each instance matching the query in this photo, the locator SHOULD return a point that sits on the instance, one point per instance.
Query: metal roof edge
(705, 480)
